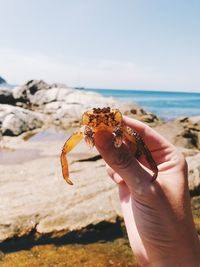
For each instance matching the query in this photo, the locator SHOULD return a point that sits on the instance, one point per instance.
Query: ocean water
(166, 105)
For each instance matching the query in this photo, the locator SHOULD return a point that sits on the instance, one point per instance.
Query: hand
(157, 214)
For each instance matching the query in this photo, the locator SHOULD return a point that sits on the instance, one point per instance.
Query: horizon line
(144, 90)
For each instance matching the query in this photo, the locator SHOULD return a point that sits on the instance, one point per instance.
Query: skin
(157, 214)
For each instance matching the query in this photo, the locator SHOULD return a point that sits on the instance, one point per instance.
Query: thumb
(122, 161)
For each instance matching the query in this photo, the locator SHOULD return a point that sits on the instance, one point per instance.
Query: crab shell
(102, 119)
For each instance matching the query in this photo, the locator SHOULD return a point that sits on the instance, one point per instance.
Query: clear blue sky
(133, 44)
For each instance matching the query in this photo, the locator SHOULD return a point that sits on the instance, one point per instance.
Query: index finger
(153, 139)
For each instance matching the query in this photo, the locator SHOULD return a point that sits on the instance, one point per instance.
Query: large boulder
(2, 80)
(16, 120)
(54, 94)
(37, 93)
(25, 93)
(6, 97)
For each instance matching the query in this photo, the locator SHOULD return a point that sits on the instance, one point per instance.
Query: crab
(111, 120)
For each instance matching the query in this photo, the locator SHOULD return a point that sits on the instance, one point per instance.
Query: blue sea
(166, 105)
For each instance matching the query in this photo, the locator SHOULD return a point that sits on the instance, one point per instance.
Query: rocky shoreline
(35, 119)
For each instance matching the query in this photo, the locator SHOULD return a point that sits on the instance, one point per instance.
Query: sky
(120, 44)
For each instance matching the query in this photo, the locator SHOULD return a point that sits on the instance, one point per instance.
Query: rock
(195, 120)
(2, 80)
(15, 120)
(37, 93)
(194, 173)
(149, 118)
(195, 201)
(140, 114)
(59, 85)
(6, 97)
(36, 199)
(191, 132)
(181, 133)
(43, 97)
(187, 139)
(187, 152)
(26, 92)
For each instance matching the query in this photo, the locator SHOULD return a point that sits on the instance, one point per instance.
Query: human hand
(157, 214)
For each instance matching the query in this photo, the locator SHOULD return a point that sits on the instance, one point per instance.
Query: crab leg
(118, 136)
(73, 140)
(138, 146)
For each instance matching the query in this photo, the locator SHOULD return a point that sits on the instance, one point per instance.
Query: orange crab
(111, 120)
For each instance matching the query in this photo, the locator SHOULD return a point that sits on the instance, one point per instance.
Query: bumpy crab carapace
(106, 119)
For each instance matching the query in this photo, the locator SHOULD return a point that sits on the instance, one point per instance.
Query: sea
(166, 105)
